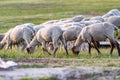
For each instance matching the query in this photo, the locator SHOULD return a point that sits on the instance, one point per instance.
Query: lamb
(47, 34)
(89, 34)
(114, 20)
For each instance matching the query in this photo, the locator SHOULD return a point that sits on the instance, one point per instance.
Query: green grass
(14, 12)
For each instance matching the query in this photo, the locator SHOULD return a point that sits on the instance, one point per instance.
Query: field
(15, 12)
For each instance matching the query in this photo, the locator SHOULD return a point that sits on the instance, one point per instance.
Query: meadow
(15, 12)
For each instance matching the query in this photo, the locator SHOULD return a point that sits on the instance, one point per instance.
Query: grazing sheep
(27, 25)
(48, 34)
(95, 33)
(72, 33)
(6, 39)
(17, 35)
(114, 20)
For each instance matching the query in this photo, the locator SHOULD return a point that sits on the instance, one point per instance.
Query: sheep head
(30, 49)
(74, 50)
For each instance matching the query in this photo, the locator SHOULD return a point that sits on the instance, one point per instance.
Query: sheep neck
(34, 42)
(78, 42)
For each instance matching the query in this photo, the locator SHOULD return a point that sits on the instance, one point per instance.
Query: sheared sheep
(89, 22)
(98, 18)
(113, 12)
(6, 39)
(47, 34)
(27, 25)
(77, 18)
(95, 33)
(38, 27)
(17, 35)
(114, 20)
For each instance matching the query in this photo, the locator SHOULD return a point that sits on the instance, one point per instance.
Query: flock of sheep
(73, 31)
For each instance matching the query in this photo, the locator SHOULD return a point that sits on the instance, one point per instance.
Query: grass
(14, 12)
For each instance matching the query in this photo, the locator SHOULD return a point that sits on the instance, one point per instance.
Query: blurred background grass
(14, 12)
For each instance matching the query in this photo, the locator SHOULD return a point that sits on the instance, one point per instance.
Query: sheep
(98, 18)
(89, 22)
(38, 27)
(47, 34)
(77, 18)
(114, 20)
(113, 12)
(28, 25)
(95, 33)
(6, 39)
(50, 22)
(17, 35)
(72, 33)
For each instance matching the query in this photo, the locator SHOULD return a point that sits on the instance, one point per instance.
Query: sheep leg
(64, 44)
(112, 47)
(95, 45)
(118, 47)
(9, 45)
(55, 45)
(44, 47)
(115, 43)
(89, 48)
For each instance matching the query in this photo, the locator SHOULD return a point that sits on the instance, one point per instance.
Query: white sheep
(98, 18)
(89, 22)
(113, 12)
(6, 39)
(114, 20)
(47, 34)
(77, 18)
(38, 27)
(17, 35)
(27, 25)
(95, 33)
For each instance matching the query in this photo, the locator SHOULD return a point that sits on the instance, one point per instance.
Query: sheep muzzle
(74, 50)
(27, 49)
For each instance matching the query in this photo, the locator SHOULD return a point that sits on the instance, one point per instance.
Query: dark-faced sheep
(95, 33)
